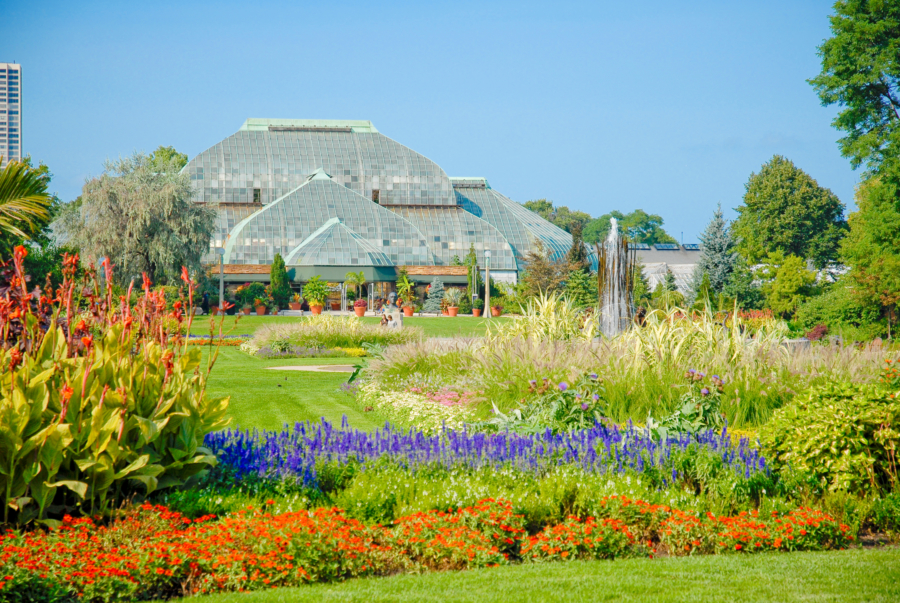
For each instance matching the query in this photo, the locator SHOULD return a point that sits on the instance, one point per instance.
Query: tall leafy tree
(168, 159)
(560, 216)
(638, 226)
(872, 249)
(279, 284)
(718, 257)
(861, 72)
(785, 210)
(542, 273)
(141, 218)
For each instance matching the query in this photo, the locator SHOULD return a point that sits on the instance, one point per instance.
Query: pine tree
(670, 284)
(435, 295)
(471, 260)
(718, 258)
(581, 289)
(640, 291)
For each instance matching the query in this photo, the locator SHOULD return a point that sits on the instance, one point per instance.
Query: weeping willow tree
(140, 215)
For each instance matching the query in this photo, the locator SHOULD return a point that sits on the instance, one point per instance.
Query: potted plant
(260, 304)
(315, 292)
(407, 290)
(452, 296)
(477, 307)
(496, 310)
(359, 306)
(296, 302)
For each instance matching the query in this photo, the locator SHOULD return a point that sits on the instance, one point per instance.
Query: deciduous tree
(141, 218)
(560, 216)
(785, 210)
(638, 226)
(786, 282)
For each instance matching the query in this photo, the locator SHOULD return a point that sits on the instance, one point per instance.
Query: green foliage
(471, 260)
(465, 303)
(873, 247)
(743, 288)
(844, 434)
(167, 159)
(80, 431)
(861, 73)
(581, 289)
(315, 291)
(577, 256)
(703, 294)
(558, 407)
(435, 296)
(785, 210)
(666, 295)
(246, 294)
(142, 219)
(452, 295)
(560, 216)
(699, 408)
(641, 290)
(355, 280)
(638, 226)
(839, 307)
(24, 201)
(718, 257)
(279, 289)
(788, 282)
(544, 273)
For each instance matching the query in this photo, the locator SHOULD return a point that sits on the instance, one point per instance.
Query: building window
(376, 196)
(257, 198)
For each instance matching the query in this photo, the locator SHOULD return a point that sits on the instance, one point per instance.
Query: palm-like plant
(24, 201)
(405, 287)
(355, 280)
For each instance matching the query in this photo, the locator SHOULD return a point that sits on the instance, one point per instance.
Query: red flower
(87, 341)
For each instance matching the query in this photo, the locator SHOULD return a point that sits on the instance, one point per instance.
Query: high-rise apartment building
(10, 113)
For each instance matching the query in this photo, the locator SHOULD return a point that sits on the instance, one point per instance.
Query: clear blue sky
(664, 106)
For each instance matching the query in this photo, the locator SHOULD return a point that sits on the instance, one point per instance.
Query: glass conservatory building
(333, 196)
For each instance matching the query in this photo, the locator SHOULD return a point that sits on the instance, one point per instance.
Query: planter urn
(295, 305)
(360, 310)
(496, 311)
(476, 312)
(316, 310)
(453, 310)
(246, 311)
(261, 310)
(408, 310)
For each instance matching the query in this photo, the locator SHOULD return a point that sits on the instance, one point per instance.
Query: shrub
(845, 434)
(817, 333)
(315, 291)
(435, 296)
(247, 293)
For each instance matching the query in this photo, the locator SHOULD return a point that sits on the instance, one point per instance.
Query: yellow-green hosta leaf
(79, 488)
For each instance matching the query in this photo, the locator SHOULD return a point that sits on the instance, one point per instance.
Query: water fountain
(615, 277)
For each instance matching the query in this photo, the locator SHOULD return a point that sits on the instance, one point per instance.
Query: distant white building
(10, 113)
(658, 259)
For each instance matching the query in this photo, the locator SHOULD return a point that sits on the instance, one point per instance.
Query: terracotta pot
(495, 311)
(476, 312)
(261, 310)
(335, 306)
(213, 310)
(360, 310)
(408, 310)
(316, 310)
(295, 305)
(445, 313)
(453, 310)
(246, 311)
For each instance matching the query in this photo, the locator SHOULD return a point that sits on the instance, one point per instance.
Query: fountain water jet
(615, 278)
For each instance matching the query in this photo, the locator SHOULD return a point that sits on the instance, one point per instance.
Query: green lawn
(856, 575)
(267, 399)
(443, 326)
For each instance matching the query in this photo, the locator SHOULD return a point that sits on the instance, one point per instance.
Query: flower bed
(151, 552)
(293, 454)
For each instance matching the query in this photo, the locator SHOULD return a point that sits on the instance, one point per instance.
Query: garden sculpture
(393, 316)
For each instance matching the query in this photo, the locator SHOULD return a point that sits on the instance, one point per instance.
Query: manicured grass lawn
(267, 399)
(855, 575)
(444, 326)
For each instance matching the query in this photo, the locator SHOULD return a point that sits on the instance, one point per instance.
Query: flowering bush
(86, 418)
(360, 303)
(151, 552)
(410, 409)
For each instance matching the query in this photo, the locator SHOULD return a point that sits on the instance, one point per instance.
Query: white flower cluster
(413, 410)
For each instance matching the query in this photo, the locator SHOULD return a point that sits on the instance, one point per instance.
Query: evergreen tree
(471, 260)
(703, 293)
(670, 284)
(435, 295)
(577, 253)
(279, 287)
(640, 291)
(718, 257)
(743, 288)
(581, 289)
